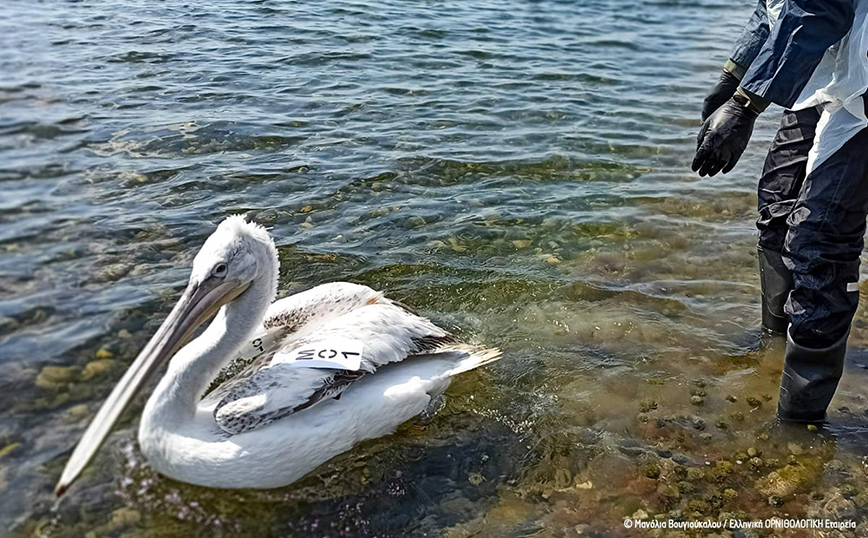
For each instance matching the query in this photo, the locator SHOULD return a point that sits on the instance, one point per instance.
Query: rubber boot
(809, 380)
(776, 282)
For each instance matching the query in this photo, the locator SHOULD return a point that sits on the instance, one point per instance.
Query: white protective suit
(837, 87)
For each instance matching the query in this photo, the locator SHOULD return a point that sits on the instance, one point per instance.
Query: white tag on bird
(336, 354)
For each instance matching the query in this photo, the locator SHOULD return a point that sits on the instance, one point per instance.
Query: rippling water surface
(515, 170)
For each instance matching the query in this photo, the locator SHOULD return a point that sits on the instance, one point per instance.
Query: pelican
(326, 369)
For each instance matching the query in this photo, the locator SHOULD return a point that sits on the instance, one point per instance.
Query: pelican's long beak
(199, 302)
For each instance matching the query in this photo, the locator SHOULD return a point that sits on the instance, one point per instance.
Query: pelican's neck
(196, 365)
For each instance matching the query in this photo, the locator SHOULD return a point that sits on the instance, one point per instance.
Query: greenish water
(517, 171)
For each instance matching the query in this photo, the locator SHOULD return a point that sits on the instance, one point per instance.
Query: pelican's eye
(219, 270)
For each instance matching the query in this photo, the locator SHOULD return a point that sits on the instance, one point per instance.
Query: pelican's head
(237, 255)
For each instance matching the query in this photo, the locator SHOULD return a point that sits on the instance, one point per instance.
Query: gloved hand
(723, 138)
(719, 94)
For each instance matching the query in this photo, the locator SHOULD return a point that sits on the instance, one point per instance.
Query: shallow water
(518, 171)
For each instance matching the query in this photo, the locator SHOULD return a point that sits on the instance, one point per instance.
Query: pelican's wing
(286, 321)
(380, 333)
(307, 310)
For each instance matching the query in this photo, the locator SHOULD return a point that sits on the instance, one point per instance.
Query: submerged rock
(120, 519)
(795, 448)
(78, 412)
(123, 517)
(416, 222)
(57, 377)
(53, 377)
(475, 478)
(837, 507)
(9, 449)
(789, 479)
(651, 471)
(647, 405)
(7, 324)
(115, 272)
(699, 506)
(97, 368)
(721, 470)
(669, 491)
(563, 478)
(849, 491)
(695, 474)
(686, 487)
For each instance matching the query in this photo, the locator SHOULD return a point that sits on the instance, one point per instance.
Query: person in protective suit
(810, 56)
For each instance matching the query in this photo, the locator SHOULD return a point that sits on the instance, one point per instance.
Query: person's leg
(822, 248)
(782, 179)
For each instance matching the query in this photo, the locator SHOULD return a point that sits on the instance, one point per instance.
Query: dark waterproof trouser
(817, 223)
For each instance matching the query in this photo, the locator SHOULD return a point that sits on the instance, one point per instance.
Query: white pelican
(287, 412)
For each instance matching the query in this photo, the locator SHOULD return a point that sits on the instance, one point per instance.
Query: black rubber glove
(723, 138)
(719, 94)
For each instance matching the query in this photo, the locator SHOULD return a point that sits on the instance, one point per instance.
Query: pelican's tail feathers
(471, 357)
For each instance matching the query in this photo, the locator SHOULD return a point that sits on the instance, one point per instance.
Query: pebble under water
(517, 171)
